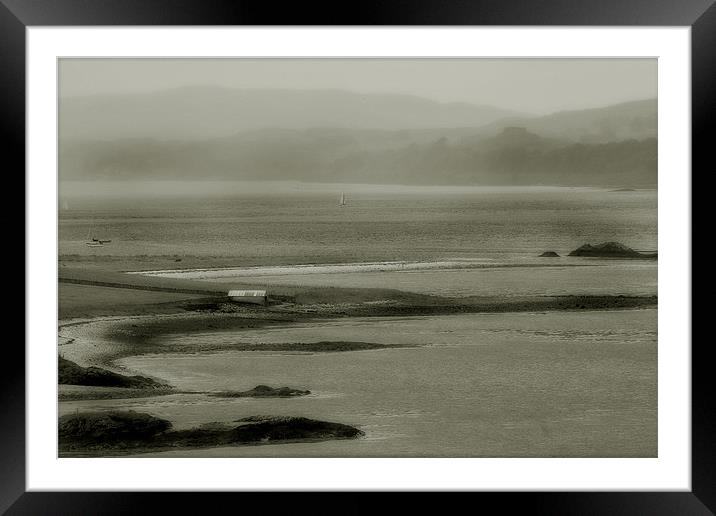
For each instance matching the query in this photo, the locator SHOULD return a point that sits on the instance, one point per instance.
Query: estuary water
(272, 224)
(499, 385)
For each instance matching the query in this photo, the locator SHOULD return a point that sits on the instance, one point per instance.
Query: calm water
(552, 384)
(307, 226)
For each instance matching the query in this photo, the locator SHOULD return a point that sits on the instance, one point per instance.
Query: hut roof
(247, 293)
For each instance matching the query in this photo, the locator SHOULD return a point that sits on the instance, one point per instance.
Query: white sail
(343, 200)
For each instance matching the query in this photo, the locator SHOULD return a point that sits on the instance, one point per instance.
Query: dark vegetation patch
(610, 250)
(517, 304)
(115, 428)
(136, 432)
(262, 391)
(81, 392)
(141, 334)
(324, 346)
(70, 373)
(269, 428)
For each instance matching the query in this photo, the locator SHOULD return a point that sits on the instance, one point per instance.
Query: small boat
(342, 202)
(95, 242)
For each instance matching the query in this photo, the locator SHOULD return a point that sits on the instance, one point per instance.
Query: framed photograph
(436, 247)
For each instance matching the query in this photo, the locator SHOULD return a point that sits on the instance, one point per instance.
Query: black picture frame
(16, 15)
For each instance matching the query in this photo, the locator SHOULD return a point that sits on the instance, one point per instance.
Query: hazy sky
(530, 85)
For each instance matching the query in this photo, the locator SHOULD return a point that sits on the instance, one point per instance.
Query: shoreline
(121, 336)
(161, 263)
(256, 272)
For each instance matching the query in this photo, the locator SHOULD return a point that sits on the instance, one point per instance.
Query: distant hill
(199, 113)
(629, 120)
(515, 156)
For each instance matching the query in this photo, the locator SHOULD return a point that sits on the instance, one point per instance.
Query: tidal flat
(431, 348)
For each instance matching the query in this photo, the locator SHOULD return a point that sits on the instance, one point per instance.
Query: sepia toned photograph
(357, 257)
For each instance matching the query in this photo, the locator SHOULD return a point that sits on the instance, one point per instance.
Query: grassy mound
(609, 250)
(109, 429)
(70, 373)
(291, 428)
(262, 391)
(136, 432)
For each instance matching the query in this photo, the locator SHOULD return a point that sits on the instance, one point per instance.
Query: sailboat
(342, 202)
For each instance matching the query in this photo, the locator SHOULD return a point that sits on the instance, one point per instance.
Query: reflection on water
(551, 384)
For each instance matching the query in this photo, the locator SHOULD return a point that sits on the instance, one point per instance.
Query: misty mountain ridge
(207, 112)
(513, 156)
(200, 113)
(341, 136)
(627, 120)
